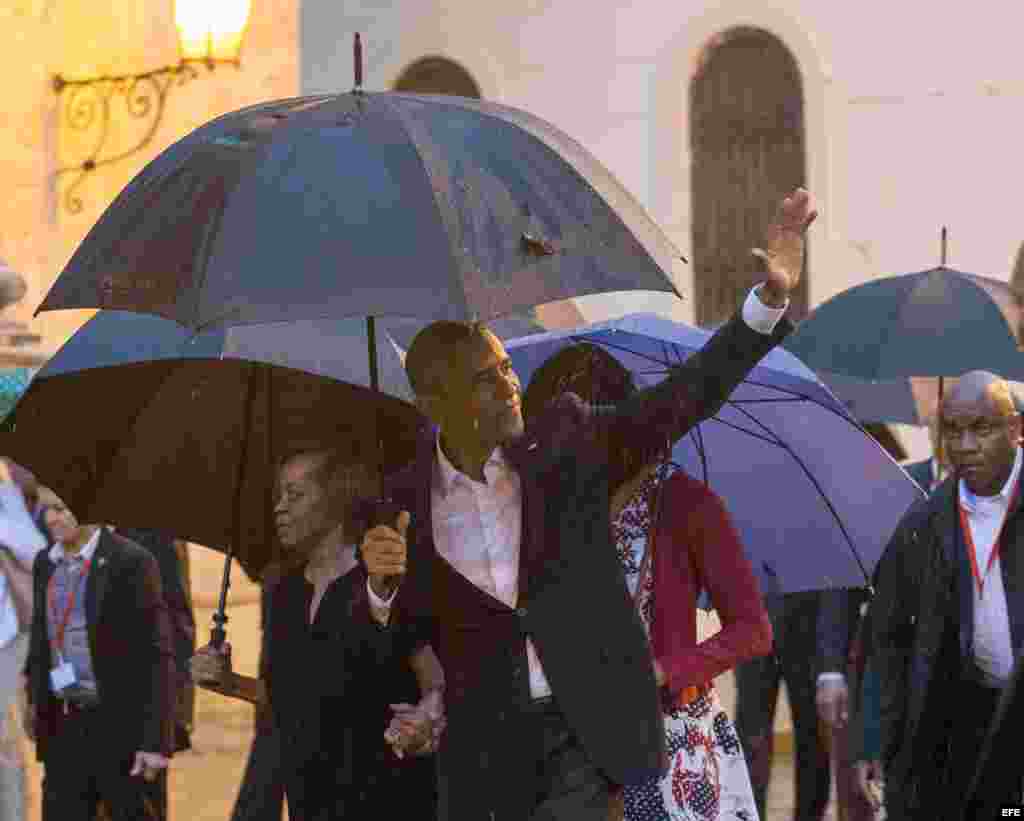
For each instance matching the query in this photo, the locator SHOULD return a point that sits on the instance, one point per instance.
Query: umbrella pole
(218, 634)
(938, 434)
(371, 345)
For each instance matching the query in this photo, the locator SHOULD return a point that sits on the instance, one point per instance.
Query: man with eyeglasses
(948, 616)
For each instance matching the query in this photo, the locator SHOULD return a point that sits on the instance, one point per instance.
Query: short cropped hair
(431, 356)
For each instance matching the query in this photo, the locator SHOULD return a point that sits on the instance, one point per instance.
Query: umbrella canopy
(13, 383)
(940, 322)
(360, 204)
(138, 423)
(908, 401)
(771, 455)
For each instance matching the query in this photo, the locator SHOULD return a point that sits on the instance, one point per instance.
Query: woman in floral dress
(697, 548)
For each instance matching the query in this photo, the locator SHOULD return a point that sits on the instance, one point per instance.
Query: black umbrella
(940, 322)
(365, 204)
(139, 423)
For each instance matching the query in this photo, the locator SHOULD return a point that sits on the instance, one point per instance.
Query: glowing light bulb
(211, 29)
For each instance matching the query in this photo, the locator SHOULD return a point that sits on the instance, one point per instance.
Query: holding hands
(417, 729)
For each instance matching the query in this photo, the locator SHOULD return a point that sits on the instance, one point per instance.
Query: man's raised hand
(384, 552)
(783, 253)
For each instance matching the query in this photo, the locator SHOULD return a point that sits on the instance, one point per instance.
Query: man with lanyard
(948, 617)
(101, 673)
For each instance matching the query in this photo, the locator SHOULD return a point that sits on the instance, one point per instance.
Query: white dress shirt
(993, 648)
(57, 552)
(19, 535)
(477, 526)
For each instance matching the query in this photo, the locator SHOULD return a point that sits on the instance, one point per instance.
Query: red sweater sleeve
(700, 539)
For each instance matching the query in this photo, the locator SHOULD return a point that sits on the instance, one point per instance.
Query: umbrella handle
(218, 634)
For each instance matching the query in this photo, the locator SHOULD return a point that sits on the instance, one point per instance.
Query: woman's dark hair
(597, 377)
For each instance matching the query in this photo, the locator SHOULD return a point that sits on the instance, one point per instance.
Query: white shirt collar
(450, 474)
(972, 503)
(88, 549)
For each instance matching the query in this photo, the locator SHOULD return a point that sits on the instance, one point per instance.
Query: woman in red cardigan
(695, 547)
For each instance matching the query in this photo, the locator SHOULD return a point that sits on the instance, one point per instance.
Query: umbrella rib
(817, 486)
(794, 394)
(751, 433)
(699, 436)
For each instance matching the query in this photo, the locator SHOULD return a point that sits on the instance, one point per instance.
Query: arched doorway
(1017, 278)
(437, 75)
(747, 147)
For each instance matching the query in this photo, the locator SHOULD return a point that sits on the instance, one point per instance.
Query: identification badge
(63, 676)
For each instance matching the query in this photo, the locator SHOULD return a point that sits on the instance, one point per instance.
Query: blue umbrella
(938, 323)
(335, 348)
(13, 383)
(814, 497)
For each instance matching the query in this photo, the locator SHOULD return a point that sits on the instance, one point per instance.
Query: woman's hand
(659, 674)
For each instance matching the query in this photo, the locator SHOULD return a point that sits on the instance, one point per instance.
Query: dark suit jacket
(922, 621)
(921, 472)
(573, 601)
(181, 619)
(129, 638)
(838, 620)
(1003, 742)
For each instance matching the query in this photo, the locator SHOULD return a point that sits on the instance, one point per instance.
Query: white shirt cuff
(17, 530)
(824, 677)
(376, 601)
(762, 318)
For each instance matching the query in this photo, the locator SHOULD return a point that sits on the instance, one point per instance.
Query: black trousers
(794, 661)
(261, 795)
(1002, 780)
(81, 769)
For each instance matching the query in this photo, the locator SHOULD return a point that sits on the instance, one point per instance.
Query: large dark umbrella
(139, 423)
(771, 454)
(365, 204)
(938, 323)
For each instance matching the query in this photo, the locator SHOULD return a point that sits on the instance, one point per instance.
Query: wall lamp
(210, 34)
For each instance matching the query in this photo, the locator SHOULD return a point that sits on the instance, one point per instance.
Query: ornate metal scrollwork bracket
(87, 105)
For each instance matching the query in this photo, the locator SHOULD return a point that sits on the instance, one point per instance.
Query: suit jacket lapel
(97, 583)
(531, 545)
(1012, 566)
(946, 522)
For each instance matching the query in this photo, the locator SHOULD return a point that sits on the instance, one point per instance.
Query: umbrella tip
(357, 60)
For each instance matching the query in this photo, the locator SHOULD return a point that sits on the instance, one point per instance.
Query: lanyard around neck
(61, 625)
(972, 552)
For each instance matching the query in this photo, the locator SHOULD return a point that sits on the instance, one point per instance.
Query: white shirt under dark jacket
(477, 527)
(993, 646)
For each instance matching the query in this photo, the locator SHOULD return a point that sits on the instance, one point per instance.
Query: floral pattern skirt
(707, 778)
